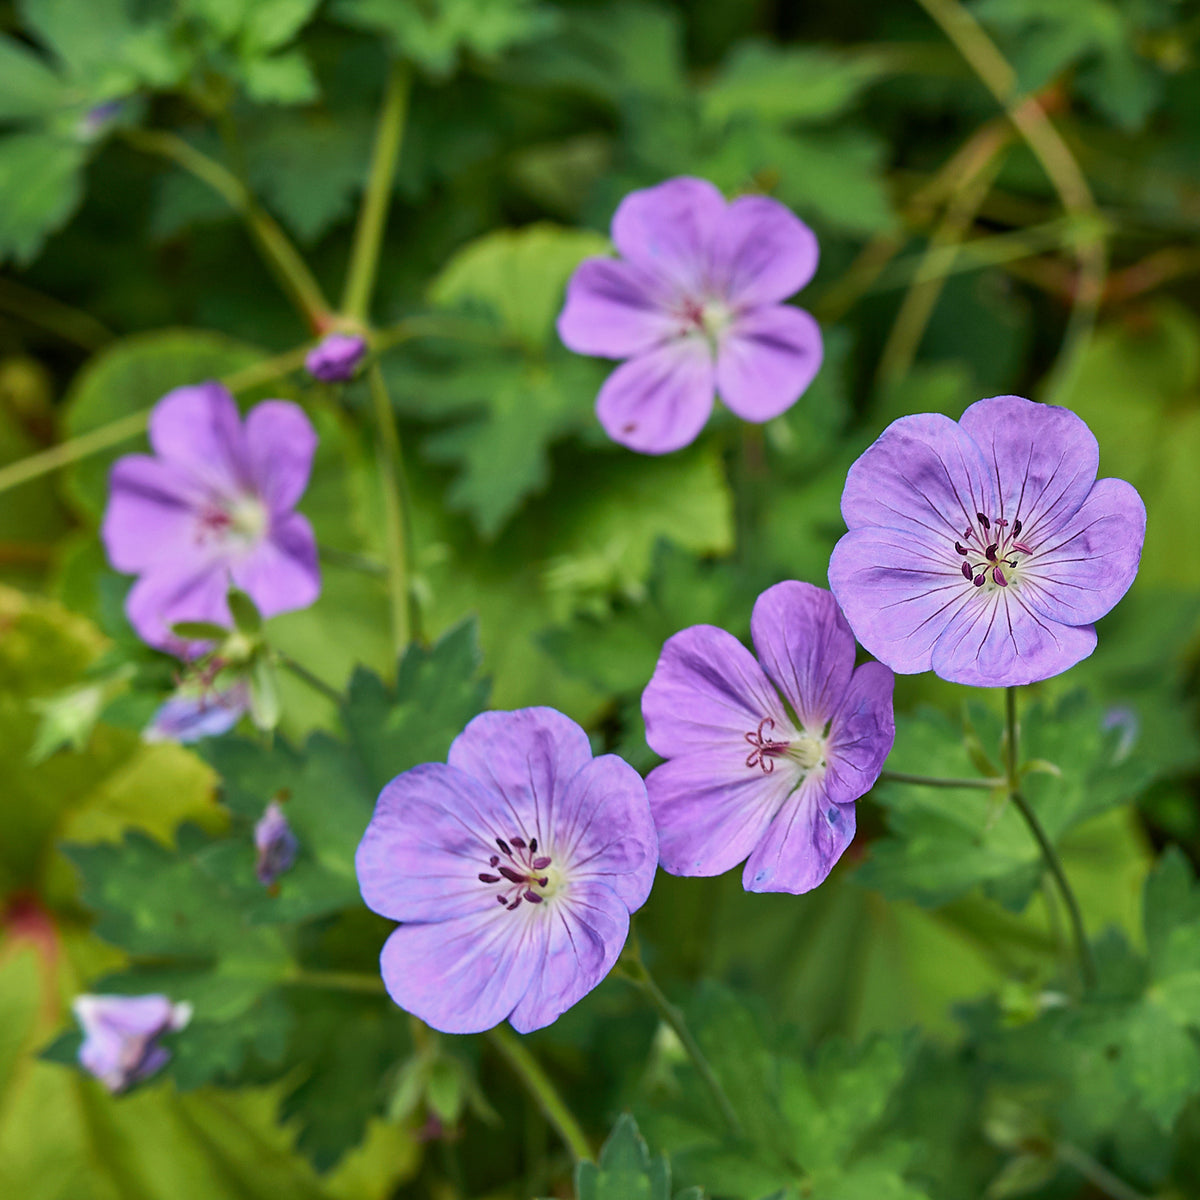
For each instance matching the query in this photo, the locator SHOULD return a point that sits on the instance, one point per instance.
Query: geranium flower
(694, 305)
(275, 845)
(198, 711)
(120, 1045)
(984, 548)
(335, 357)
(213, 507)
(765, 763)
(514, 867)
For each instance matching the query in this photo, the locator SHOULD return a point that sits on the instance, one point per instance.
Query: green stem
(355, 562)
(637, 973)
(302, 673)
(281, 256)
(115, 432)
(395, 511)
(1096, 1173)
(553, 1107)
(368, 235)
(337, 981)
(1087, 965)
(927, 781)
(71, 324)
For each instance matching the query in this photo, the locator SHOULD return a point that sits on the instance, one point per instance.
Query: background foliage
(913, 1028)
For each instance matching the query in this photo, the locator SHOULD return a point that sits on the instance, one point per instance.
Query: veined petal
(668, 229)
(711, 809)
(164, 598)
(707, 691)
(659, 401)
(1044, 457)
(279, 445)
(1088, 564)
(432, 834)
(806, 646)
(198, 429)
(806, 838)
(762, 252)
(861, 734)
(997, 641)
(897, 593)
(527, 758)
(585, 932)
(766, 358)
(614, 309)
(467, 974)
(150, 518)
(923, 476)
(603, 830)
(281, 573)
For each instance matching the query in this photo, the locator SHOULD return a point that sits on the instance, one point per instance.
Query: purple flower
(335, 357)
(765, 763)
(275, 844)
(213, 507)
(694, 305)
(514, 867)
(984, 548)
(120, 1044)
(198, 712)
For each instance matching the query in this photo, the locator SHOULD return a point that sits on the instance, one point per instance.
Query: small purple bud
(966, 570)
(96, 122)
(276, 845)
(336, 357)
(998, 576)
(120, 1042)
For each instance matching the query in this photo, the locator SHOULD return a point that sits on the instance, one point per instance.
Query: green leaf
(626, 1170)
(41, 181)
(435, 34)
(28, 87)
(129, 377)
(285, 78)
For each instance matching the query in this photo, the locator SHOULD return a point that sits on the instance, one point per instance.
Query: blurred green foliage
(914, 1028)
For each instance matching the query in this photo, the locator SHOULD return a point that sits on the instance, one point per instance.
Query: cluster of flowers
(983, 549)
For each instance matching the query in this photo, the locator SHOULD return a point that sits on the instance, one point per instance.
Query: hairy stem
(372, 219)
(306, 676)
(1087, 965)
(278, 252)
(104, 437)
(1060, 165)
(637, 973)
(539, 1086)
(395, 511)
(928, 781)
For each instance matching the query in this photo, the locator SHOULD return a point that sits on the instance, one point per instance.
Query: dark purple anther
(519, 843)
(961, 549)
(1024, 549)
(504, 846)
(984, 521)
(990, 552)
(978, 580)
(485, 878)
(532, 896)
(533, 845)
(966, 570)
(998, 576)
(1016, 529)
(540, 864)
(511, 875)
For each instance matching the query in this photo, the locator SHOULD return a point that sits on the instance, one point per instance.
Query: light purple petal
(766, 359)
(668, 230)
(602, 829)
(150, 519)
(528, 758)
(898, 594)
(659, 401)
(586, 931)
(280, 442)
(807, 837)
(711, 809)
(861, 734)
(614, 309)
(1045, 457)
(1082, 570)
(806, 646)
(432, 834)
(281, 572)
(996, 641)
(187, 718)
(198, 429)
(165, 598)
(708, 690)
(119, 1036)
(467, 974)
(761, 252)
(924, 477)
